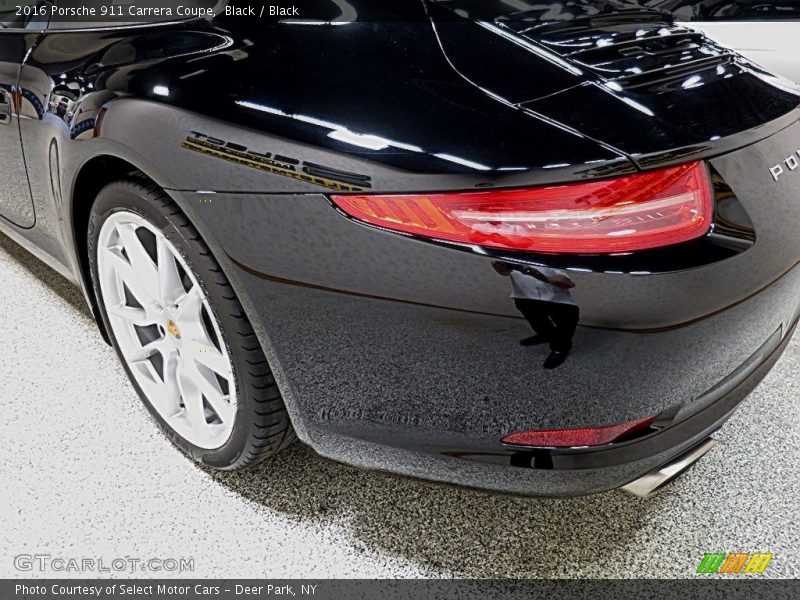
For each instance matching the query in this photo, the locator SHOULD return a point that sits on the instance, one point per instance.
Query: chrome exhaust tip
(658, 478)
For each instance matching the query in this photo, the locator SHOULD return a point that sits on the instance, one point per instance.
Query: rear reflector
(636, 212)
(571, 438)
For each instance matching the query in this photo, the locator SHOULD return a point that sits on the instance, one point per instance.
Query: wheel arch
(114, 162)
(90, 179)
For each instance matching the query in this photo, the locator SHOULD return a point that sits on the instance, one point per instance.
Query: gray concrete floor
(84, 473)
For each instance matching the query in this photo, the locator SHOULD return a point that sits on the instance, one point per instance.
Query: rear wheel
(180, 330)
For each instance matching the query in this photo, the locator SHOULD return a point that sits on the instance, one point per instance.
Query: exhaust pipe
(658, 478)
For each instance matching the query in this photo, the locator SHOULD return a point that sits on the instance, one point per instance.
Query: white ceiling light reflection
(342, 134)
(463, 161)
(362, 140)
(371, 142)
(692, 82)
(640, 107)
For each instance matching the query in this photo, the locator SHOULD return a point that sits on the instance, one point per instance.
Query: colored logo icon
(734, 562)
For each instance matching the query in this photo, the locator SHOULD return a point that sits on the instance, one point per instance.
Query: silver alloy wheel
(167, 333)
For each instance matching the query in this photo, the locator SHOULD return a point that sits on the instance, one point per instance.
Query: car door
(17, 35)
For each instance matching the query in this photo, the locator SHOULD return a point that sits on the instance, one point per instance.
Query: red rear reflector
(570, 438)
(636, 212)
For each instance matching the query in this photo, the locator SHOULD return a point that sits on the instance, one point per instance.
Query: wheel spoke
(192, 399)
(172, 390)
(143, 266)
(126, 273)
(190, 306)
(134, 316)
(170, 284)
(212, 391)
(148, 350)
(222, 407)
(205, 353)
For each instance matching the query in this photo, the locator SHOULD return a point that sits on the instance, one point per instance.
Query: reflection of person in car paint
(542, 296)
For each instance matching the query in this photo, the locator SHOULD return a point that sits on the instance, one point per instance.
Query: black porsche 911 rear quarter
(543, 252)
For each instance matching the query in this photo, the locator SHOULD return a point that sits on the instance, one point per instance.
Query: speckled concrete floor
(86, 474)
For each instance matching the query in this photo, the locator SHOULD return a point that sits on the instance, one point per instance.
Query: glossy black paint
(742, 10)
(401, 353)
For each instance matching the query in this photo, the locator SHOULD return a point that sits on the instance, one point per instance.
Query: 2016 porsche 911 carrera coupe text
(541, 249)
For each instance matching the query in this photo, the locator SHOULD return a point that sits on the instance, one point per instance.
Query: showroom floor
(85, 474)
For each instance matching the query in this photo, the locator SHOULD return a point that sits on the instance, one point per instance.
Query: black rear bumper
(564, 472)
(691, 423)
(402, 355)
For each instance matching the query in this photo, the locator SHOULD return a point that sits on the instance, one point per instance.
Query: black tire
(261, 426)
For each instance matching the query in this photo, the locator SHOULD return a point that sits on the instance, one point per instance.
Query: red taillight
(571, 438)
(636, 212)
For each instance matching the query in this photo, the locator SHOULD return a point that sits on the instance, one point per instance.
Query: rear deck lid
(629, 77)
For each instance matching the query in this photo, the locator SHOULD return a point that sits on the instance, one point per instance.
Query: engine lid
(660, 87)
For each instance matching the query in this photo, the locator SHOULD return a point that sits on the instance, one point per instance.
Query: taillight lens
(636, 212)
(572, 438)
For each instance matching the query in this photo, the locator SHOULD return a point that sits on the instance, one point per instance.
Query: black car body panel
(399, 353)
(406, 344)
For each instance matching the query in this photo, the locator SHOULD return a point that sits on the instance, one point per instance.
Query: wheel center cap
(172, 329)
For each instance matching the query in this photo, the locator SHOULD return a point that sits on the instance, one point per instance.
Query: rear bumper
(595, 470)
(474, 462)
(402, 355)
(571, 472)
